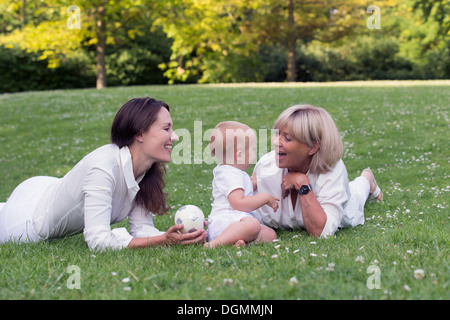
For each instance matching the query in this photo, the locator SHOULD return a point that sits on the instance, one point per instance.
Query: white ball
(191, 217)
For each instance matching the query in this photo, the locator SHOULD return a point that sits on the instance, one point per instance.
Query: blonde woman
(306, 171)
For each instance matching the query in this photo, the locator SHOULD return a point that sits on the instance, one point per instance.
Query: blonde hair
(311, 125)
(227, 138)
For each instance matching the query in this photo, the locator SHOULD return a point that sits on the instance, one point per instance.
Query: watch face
(304, 189)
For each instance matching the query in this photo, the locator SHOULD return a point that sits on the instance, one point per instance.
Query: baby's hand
(273, 203)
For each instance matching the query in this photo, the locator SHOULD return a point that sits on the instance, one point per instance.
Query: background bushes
(26, 71)
(138, 65)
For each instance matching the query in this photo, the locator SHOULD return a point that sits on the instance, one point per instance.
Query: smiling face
(291, 153)
(157, 141)
(308, 140)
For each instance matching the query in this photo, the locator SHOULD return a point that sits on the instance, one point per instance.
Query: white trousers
(16, 214)
(354, 211)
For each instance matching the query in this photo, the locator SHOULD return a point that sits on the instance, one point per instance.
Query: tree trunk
(23, 13)
(101, 46)
(291, 40)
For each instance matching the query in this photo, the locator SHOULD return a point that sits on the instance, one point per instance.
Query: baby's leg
(266, 234)
(246, 229)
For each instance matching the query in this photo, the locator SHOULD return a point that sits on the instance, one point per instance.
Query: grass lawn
(399, 129)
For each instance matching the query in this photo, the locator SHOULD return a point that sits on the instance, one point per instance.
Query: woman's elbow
(317, 228)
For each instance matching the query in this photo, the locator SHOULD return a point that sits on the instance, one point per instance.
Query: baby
(232, 218)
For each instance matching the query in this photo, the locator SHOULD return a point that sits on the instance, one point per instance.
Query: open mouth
(280, 155)
(168, 147)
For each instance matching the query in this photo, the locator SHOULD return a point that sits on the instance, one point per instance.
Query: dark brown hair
(135, 117)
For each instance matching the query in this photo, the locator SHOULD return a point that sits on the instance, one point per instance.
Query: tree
(437, 9)
(40, 26)
(286, 22)
(291, 43)
(52, 39)
(207, 30)
(107, 18)
(100, 31)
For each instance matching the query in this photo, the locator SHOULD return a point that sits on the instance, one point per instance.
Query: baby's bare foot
(239, 243)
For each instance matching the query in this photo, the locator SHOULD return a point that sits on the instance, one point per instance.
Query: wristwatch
(304, 189)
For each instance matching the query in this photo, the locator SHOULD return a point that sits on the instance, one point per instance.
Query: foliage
(190, 41)
(439, 10)
(14, 15)
(362, 60)
(24, 71)
(202, 52)
(210, 36)
(135, 57)
(205, 33)
(134, 46)
(52, 39)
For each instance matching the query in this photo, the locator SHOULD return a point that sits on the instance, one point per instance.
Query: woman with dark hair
(116, 181)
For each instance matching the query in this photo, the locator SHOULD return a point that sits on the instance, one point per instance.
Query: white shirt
(331, 190)
(99, 191)
(227, 179)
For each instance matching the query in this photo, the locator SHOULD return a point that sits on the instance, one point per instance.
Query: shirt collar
(127, 166)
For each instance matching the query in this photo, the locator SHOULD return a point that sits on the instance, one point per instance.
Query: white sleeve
(141, 223)
(98, 189)
(227, 180)
(333, 197)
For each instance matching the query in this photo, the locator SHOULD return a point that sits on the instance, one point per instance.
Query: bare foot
(239, 243)
(209, 245)
(374, 192)
(213, 244)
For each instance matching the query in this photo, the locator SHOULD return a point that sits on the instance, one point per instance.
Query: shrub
(26, 71)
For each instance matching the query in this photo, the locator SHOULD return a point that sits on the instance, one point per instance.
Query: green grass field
(399, 129)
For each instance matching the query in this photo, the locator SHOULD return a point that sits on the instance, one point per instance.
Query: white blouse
(331, 189)
(99, 191)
